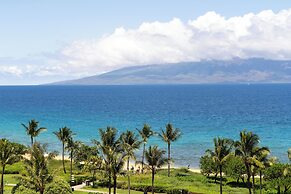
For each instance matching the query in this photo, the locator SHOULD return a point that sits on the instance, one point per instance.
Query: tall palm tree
(222, 151)
(37, 168)
(262, 162)
(64, 135)
(117, 167)
(171, 134)
(289, 154)
(71, 147)
(109, 147)
(129, 144)
(8, 155)
(155, 159)
(145, 133)
(248, 149)
(33, 130)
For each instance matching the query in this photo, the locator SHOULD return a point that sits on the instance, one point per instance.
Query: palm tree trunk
(220, 173)
(31, 140)
(63, 158)
(253, 176)
(71, 166)
(2, 180)
(128, 176)
(109, 182)
(114, 183)
(260, 181)
(142, 159)
(169, 158)
(153, 180)
(249, 179)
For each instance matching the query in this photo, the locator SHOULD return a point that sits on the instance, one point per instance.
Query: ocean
(202, 112)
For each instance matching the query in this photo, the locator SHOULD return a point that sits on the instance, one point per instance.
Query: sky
(46, 41)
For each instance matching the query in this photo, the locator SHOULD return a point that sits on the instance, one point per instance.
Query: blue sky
(38, 31)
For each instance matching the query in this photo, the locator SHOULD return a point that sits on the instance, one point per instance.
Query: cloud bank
(210, 36)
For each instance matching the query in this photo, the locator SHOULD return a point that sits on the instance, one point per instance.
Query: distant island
(237, 70)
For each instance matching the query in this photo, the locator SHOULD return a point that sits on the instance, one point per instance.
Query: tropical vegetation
(111, 162)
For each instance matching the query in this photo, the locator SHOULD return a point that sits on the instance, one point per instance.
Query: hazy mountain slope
(233, 71)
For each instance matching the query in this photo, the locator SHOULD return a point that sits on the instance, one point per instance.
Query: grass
(119, 191)
(180, 179)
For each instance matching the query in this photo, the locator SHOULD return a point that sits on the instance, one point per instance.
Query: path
(80, 188)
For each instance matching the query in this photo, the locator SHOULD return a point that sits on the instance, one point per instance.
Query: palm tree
(37, 168)
(129, 144)
(116, 167)
(262, 162)
(71, 147)
(109, 147)
(155, 159)
(248, 149)
(169, 136)
(64, 135)
(33, 130)
(145, 133)
(8, 155)
(222, 151)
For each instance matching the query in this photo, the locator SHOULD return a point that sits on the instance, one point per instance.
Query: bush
(177, 191)
(58, 186)
(278, 177)
(235, 168)
(20, 189)
(16, 168)
(80, 179)
(208, 166)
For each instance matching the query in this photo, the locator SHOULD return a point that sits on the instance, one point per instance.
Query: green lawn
(180, 179)
(119, 191)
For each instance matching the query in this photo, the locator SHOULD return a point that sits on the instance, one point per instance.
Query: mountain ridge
(253, 70)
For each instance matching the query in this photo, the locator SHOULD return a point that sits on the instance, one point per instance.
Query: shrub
(208, 166)
(279, 177)
(58, 186)
(235, 168)
(20, 189)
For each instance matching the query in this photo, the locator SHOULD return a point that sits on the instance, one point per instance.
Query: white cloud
(210, 36)
(12, 70)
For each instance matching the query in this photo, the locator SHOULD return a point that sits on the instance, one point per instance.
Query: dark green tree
(145, 133)
(220, 154)
(155, 159)
(64, 135)
(33, 129)
(109, 148)
(248, 149)
(9, 154)
(170, 135)
(129, 143)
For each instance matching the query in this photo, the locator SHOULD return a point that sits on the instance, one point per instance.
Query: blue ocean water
(202, 112)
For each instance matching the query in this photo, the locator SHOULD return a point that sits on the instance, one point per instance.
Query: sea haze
(202, 112)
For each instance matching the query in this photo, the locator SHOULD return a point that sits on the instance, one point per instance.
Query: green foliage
(33, 130)
(20, 189)
(235, 167)
(208, 166)
(58, 186)
(83, 153)
(278, 177)
(16, 168)
(37, 173)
